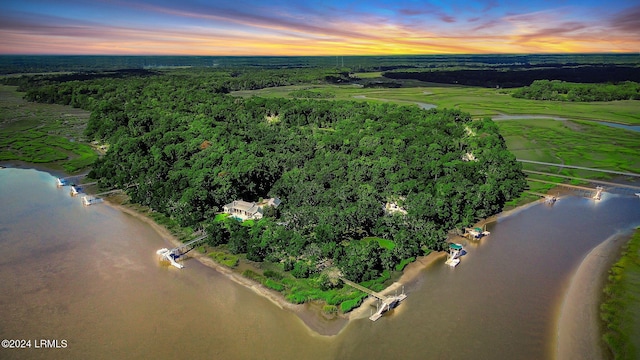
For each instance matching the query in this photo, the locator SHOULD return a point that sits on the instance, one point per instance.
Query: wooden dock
(601, 182)
(579, 167)
(563, 185)
(388, 302)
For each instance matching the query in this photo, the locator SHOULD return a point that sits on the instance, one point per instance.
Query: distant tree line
(566, 91)
(183, 147)
(15, 64)
(523, 77)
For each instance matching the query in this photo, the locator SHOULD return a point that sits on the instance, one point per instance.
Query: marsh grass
(225, 258)
(43, 133)
(589, 144)
(299, 291)
(619, 310)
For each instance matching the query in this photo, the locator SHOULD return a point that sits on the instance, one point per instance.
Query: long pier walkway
(94, 199)
(579, 167)
(377, 295)
(562, 184)
(611, 186)
(172, 255)
(388, 302)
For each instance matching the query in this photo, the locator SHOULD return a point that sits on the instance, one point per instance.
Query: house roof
(252, 207)
(274, 202)
(243, 205)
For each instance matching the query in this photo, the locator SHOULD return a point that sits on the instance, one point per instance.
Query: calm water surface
(90, 276)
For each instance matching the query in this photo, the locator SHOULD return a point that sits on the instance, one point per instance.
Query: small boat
(638, 194)
(60, 182)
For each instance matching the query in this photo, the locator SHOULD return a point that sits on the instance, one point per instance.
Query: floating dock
(387, 304)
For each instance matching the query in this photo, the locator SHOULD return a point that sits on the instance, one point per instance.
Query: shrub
(330, 309)
(273, 275)
(349, 305)
(273, 285)
(224, 259)
(296, 298)
(404, 263)
(300, 270)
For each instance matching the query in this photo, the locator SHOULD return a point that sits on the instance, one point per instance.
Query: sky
(320, 27)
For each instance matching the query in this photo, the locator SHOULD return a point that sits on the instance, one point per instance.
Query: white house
(249, 210)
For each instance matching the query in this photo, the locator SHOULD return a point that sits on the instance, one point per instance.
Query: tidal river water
(90, 276)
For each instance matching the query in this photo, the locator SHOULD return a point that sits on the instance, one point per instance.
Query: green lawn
(384, 243)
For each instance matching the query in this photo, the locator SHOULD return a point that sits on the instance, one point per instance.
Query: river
(90, 276)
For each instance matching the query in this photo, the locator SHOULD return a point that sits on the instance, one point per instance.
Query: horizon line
(339, 55)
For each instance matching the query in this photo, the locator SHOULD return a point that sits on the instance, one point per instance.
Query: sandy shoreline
(313, 320)
(309, 314)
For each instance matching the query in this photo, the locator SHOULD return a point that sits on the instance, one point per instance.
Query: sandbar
(579, 328)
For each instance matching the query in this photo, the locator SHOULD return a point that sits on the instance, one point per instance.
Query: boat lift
(66, 181)
(477, 233)
(598, 194)
(89, 200)
(172, 255)
(76, 190)
(455, 250)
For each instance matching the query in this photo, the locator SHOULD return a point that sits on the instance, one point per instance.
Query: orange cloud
(227, 31)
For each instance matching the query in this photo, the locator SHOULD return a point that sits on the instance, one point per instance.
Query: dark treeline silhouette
(517, 77)
(13, 64)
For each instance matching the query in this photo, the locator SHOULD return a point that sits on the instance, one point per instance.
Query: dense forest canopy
(565, 91)
(182, 146)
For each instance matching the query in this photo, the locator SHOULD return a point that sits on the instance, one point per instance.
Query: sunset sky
(322, 27)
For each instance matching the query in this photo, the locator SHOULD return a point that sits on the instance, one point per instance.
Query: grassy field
(43, 133)
(620, 310)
